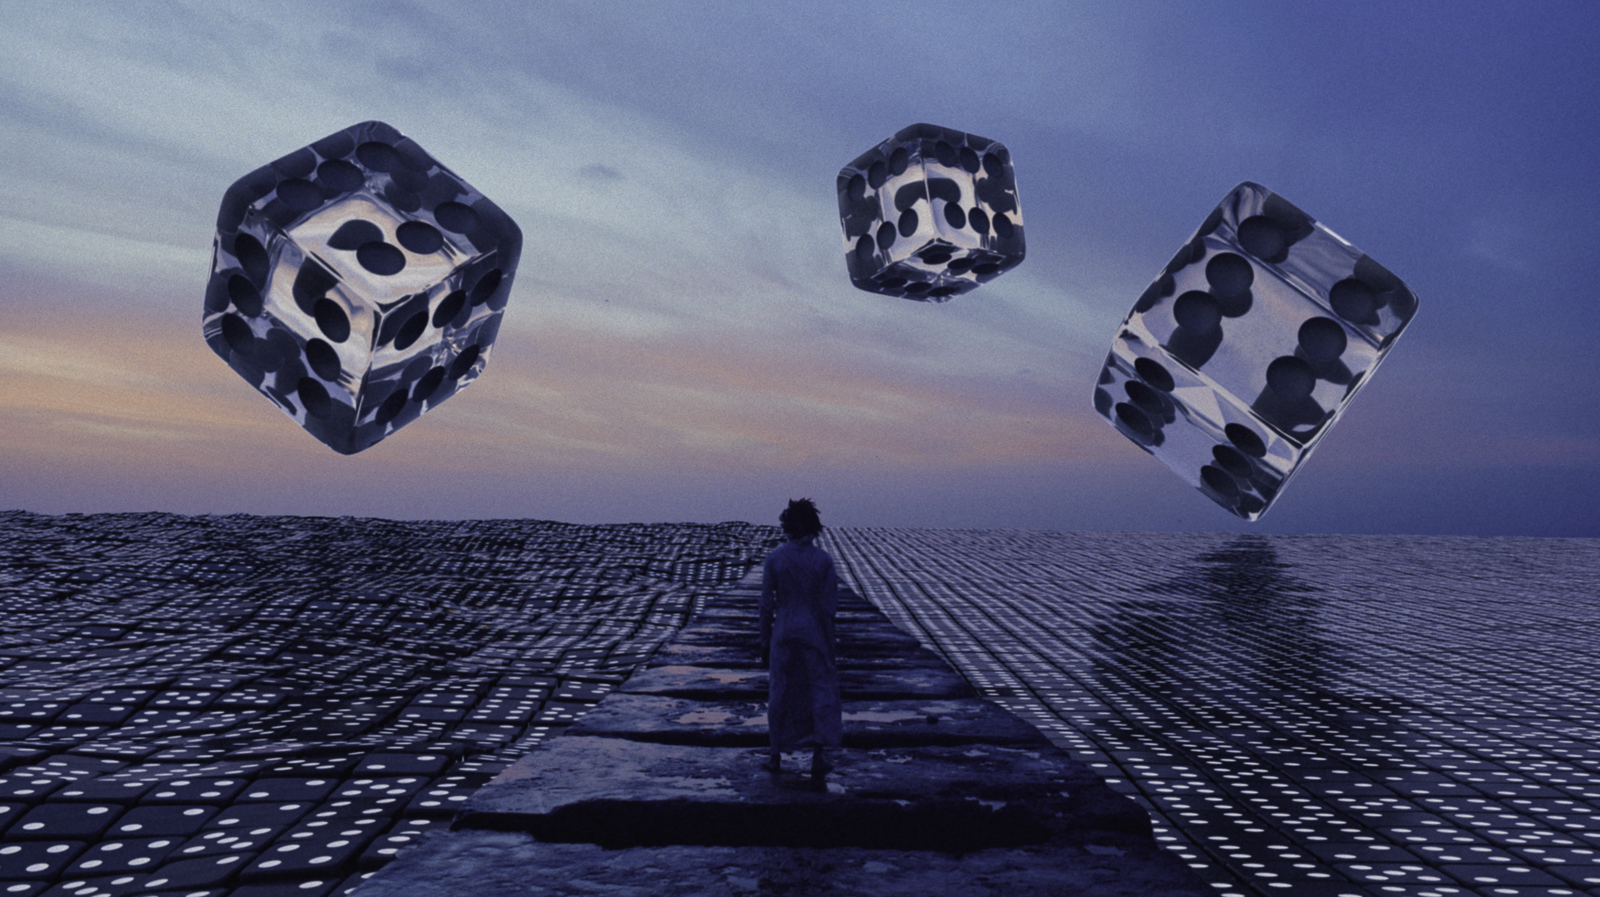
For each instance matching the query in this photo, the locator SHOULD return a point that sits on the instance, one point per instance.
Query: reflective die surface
(1240, 356)
(930, 213)
(358, 283)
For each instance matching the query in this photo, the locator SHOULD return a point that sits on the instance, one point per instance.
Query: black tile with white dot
(1301, 715)
(267, 706)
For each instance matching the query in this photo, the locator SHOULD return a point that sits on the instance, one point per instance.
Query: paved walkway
(1312, 715)
(660, 790)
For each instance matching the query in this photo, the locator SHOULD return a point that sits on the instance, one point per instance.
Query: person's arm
(830, 604)
(769, 602)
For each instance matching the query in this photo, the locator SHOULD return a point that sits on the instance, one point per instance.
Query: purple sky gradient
(682, 341)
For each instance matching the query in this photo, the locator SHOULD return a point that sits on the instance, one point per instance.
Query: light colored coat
(799, 596)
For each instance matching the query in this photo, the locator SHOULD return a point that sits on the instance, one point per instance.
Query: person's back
(801, 571)
(799, 596)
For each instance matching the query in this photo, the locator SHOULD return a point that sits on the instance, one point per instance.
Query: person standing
(799, 596)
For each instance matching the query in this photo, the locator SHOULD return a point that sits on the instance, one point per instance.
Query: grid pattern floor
(261, 706)
(1301, 715)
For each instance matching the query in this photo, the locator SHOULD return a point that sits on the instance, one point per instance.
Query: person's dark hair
(800, 519)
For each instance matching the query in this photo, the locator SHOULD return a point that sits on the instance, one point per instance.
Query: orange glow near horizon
(147, 399)
(142, 393)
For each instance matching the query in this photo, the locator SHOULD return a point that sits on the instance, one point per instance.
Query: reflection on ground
(1301, 715)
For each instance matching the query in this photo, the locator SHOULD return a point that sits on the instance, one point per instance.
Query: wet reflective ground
(268, 706)
(1302, 715)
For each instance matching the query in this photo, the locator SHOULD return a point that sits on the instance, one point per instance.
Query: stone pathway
(1302, 715)
(661, 790)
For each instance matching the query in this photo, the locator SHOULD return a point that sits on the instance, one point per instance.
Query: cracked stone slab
(514, 864)
(867, 724)
(743, 656)
(877, 636)
(735, 608)
(726, 656)
(910, 681)
(616, 792)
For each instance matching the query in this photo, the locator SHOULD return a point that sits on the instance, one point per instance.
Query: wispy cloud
(682, 304)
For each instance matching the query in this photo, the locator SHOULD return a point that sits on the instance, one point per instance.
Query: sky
(682, 342)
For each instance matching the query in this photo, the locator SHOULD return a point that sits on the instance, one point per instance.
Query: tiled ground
(1302, 715)
(264, 706)
(191, 705)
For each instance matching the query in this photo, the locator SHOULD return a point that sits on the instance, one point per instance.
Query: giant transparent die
(1238, 359)
(930, 213)
(358, 283)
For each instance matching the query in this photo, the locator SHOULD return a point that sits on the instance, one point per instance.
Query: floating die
(1240, 356)
(929, 213)
(358, 283)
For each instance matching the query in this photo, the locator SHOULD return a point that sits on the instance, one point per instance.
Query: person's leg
(819, 762)
(779, 698)
(825, 717)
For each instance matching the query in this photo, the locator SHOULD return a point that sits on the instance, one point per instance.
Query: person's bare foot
(773, 763)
